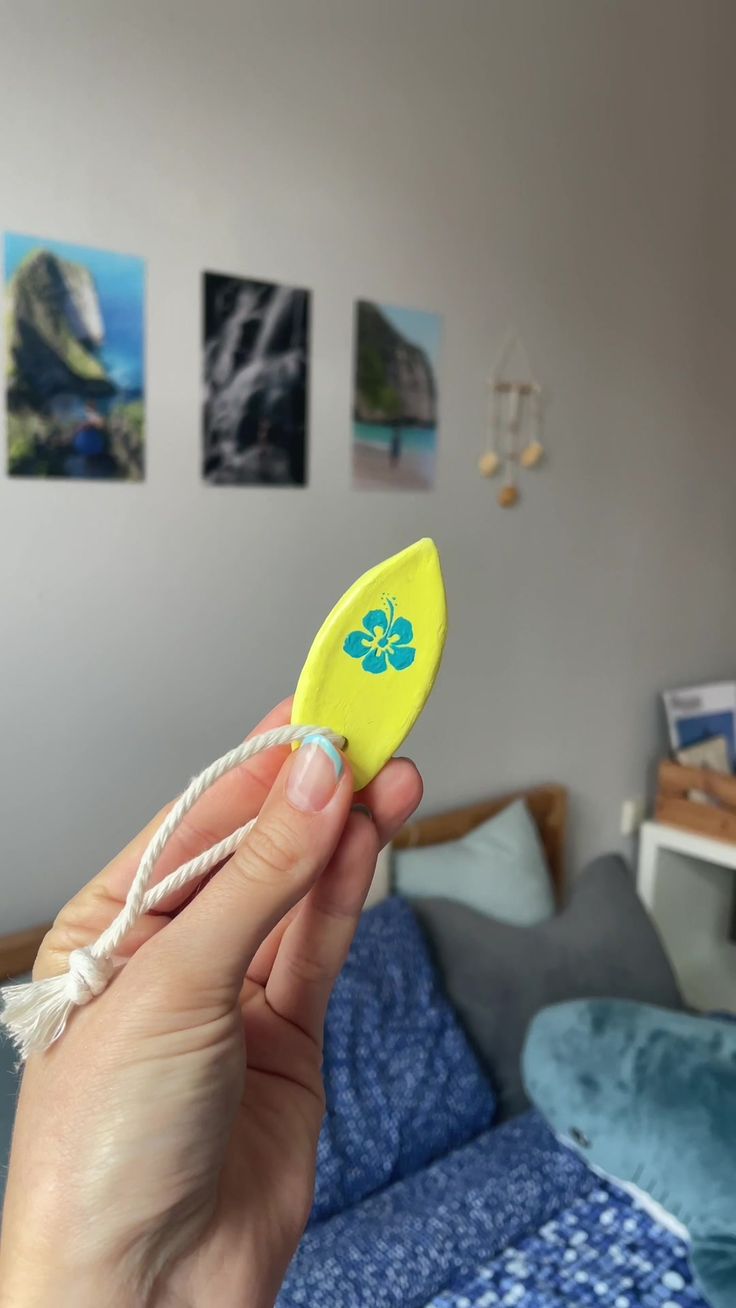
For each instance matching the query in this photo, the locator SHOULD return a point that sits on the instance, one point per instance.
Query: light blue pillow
(498, 869)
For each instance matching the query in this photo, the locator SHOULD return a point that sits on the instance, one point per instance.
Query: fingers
(231, 802)
(211, 943)
(391, 798)
(228, 804)
(317, 941)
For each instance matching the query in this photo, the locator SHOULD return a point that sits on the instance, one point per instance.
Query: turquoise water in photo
(421, 439)
(120, 283)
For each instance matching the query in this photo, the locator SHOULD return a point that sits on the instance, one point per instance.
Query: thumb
(214, 939)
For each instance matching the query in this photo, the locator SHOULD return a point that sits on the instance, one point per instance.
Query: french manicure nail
(314, 775)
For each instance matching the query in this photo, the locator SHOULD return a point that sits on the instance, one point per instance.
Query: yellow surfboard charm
(374, 660)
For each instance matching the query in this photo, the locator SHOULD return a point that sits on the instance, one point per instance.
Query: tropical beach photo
(395, 397)
(74, 378)
(256, 375)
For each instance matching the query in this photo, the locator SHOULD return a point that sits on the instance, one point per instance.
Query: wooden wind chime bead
(489, 464)
(508, 496)
(533, 454)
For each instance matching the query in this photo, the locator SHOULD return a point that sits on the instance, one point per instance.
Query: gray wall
(560, 164)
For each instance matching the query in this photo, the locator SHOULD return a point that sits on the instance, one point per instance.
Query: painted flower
(384, 639)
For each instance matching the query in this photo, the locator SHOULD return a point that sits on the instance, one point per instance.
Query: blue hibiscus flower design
(385, 639)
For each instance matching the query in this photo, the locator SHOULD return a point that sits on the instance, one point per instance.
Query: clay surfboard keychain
(367, 677)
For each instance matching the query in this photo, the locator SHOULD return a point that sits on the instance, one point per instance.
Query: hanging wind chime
(514, 431)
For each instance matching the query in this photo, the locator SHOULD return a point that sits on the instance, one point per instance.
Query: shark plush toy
(648, 1098)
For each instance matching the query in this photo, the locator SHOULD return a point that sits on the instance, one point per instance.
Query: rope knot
(36, 1014)
(88, 976)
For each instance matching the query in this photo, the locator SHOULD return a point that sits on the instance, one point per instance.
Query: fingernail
(314, 775)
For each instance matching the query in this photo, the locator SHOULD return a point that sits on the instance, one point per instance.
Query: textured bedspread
(402, 1084)
(401, 1246)
(600, 1252)
(512, 1220)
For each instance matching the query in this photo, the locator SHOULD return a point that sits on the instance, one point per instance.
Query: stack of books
(701, 721)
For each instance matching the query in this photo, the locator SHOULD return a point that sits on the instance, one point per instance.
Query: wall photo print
(256, 382)
(75, 360)
(395, 397)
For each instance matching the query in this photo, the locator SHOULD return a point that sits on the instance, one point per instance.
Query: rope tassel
(36, 1014)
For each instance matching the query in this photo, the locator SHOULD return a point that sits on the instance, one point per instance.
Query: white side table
(687, 882)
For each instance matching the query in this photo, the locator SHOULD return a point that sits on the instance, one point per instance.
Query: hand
(148, 1167)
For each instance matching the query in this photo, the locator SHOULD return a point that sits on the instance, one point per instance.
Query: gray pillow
(601, 945)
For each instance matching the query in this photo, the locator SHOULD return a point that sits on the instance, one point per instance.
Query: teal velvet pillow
(648, 1097)
(498, 869)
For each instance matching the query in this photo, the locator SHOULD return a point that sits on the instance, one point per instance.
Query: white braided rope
(36, 1014)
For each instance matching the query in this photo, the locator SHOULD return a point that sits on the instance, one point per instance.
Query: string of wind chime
(514, 428)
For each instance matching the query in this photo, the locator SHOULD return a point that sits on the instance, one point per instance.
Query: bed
(421, 1201)
(507, 1217)
(546, 803)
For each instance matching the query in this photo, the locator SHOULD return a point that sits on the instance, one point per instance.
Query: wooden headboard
(547, 805)
(18, 952)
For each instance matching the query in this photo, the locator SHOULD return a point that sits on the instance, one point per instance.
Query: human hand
(148, 1167)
